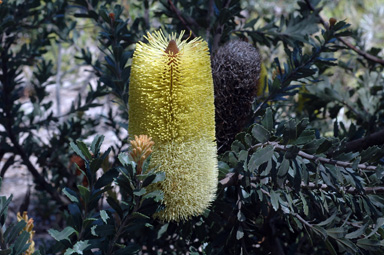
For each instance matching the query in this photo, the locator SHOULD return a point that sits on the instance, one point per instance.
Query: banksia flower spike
(236, 70)
(141, 149)
(29, 229)
(171, 99)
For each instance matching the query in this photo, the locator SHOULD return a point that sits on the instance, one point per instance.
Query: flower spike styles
(171, 99)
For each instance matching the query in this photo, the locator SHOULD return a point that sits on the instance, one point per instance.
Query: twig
(301, 219)
(231, 179)
(58, 79)
(180, 17)
(208, 18)
(219, 31)
(125, 221)
(368, 190)
(315, 158)
(376, 138)
(348, 44)
(18, 149)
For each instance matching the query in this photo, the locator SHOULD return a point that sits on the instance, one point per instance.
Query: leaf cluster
(282, 185)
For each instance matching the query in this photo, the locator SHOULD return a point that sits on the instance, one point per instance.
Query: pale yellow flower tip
(29, 229)
(171, 99)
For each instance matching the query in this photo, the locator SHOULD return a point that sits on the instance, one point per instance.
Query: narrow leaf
(259, 157)
(260, 133)
(104, 216)
(63, 235)
(267, 121)
(274, 200)
(84, 149)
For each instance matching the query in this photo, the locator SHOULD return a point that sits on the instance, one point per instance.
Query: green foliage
(92, 227)
(284, 174)
(13, 239)
(304, 177)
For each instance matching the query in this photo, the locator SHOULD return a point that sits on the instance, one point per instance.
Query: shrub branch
(323, 160)
(180, 17)
(346, 43)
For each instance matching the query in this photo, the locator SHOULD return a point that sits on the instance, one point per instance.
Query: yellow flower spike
(29, 229)
(171, 99)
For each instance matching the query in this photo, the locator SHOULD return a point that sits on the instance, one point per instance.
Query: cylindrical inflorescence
(171, 99)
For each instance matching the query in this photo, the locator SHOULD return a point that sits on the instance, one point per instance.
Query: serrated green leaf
(157, 195)
(71, 195)
(260, 156)
(20, 245)
(223, 167)
(106, 178)
(248, 140)
(115, 205)
(283, 168)
(335, 232)
(138, 215)
(84, 149)
(305, 205)
(260, 133)
(320, 231)
(240, 216)
(78, 248)
(124, 159)
(357, 233)
(98, 162)
(104, 230)
(162, 230)
(327, 221)
(305, 137)
(350, 246)
(330, 247)
(301, 126)
(63, 235)
(13, 231)
(4, 203)
(140, 192)
(160, 176)
(312, 147)
(104, 216)
(324, 146)
(96, 144)
(77, 150)
(88, 221)
(267, 121)
(290, 130)
(369, 244)
(379, 223)
(274, 200)
(239, 233)
(237, 146)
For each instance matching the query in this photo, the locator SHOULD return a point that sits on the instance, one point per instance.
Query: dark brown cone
(235, 70)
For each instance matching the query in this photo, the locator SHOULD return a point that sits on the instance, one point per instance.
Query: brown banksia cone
(236, 71)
